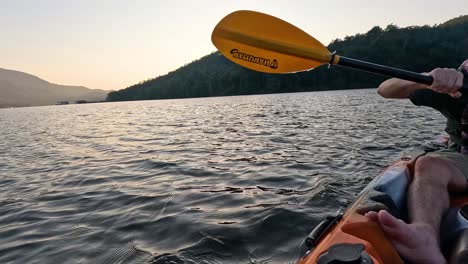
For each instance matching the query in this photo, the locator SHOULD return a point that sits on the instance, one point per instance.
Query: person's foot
(416, 243)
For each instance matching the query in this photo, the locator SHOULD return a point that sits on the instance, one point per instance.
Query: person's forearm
(397, 88)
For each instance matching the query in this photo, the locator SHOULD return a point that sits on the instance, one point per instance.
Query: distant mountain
(416, 48)
(22, 89)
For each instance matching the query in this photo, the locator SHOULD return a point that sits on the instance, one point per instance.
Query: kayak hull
(387, 191)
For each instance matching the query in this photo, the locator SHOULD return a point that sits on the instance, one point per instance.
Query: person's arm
(399, 89)
(447, 81)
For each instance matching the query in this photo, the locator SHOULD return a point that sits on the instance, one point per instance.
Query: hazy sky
(111, 44)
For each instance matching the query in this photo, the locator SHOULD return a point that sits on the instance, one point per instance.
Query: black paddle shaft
(392, 72)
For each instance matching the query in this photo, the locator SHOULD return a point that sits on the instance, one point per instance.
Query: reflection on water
(217, 180)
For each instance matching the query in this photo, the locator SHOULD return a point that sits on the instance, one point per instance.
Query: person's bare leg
(428, 198)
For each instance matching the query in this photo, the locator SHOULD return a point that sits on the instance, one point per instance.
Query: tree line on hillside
(417, 48)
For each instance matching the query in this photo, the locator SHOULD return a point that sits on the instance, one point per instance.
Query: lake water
(213, 180)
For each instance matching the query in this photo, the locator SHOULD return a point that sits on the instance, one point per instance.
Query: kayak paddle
(268, 44)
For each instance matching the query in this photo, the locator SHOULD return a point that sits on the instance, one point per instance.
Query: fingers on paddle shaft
(448, 81)
(267, 44)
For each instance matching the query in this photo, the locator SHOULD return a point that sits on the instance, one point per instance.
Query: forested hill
(417, 48)
(23, 89)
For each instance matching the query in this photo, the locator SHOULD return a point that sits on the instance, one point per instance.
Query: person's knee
(432, 170)
(428, 163)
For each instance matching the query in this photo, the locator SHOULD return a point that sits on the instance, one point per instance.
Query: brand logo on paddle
(236, 54)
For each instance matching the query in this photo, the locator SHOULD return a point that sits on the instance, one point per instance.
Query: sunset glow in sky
(111, 44)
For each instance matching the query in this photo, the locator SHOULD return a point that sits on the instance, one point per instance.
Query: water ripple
(212, 180)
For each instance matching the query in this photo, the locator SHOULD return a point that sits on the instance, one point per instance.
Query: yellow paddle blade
(267, 44)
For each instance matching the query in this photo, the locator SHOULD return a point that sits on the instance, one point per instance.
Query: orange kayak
(350, 237)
